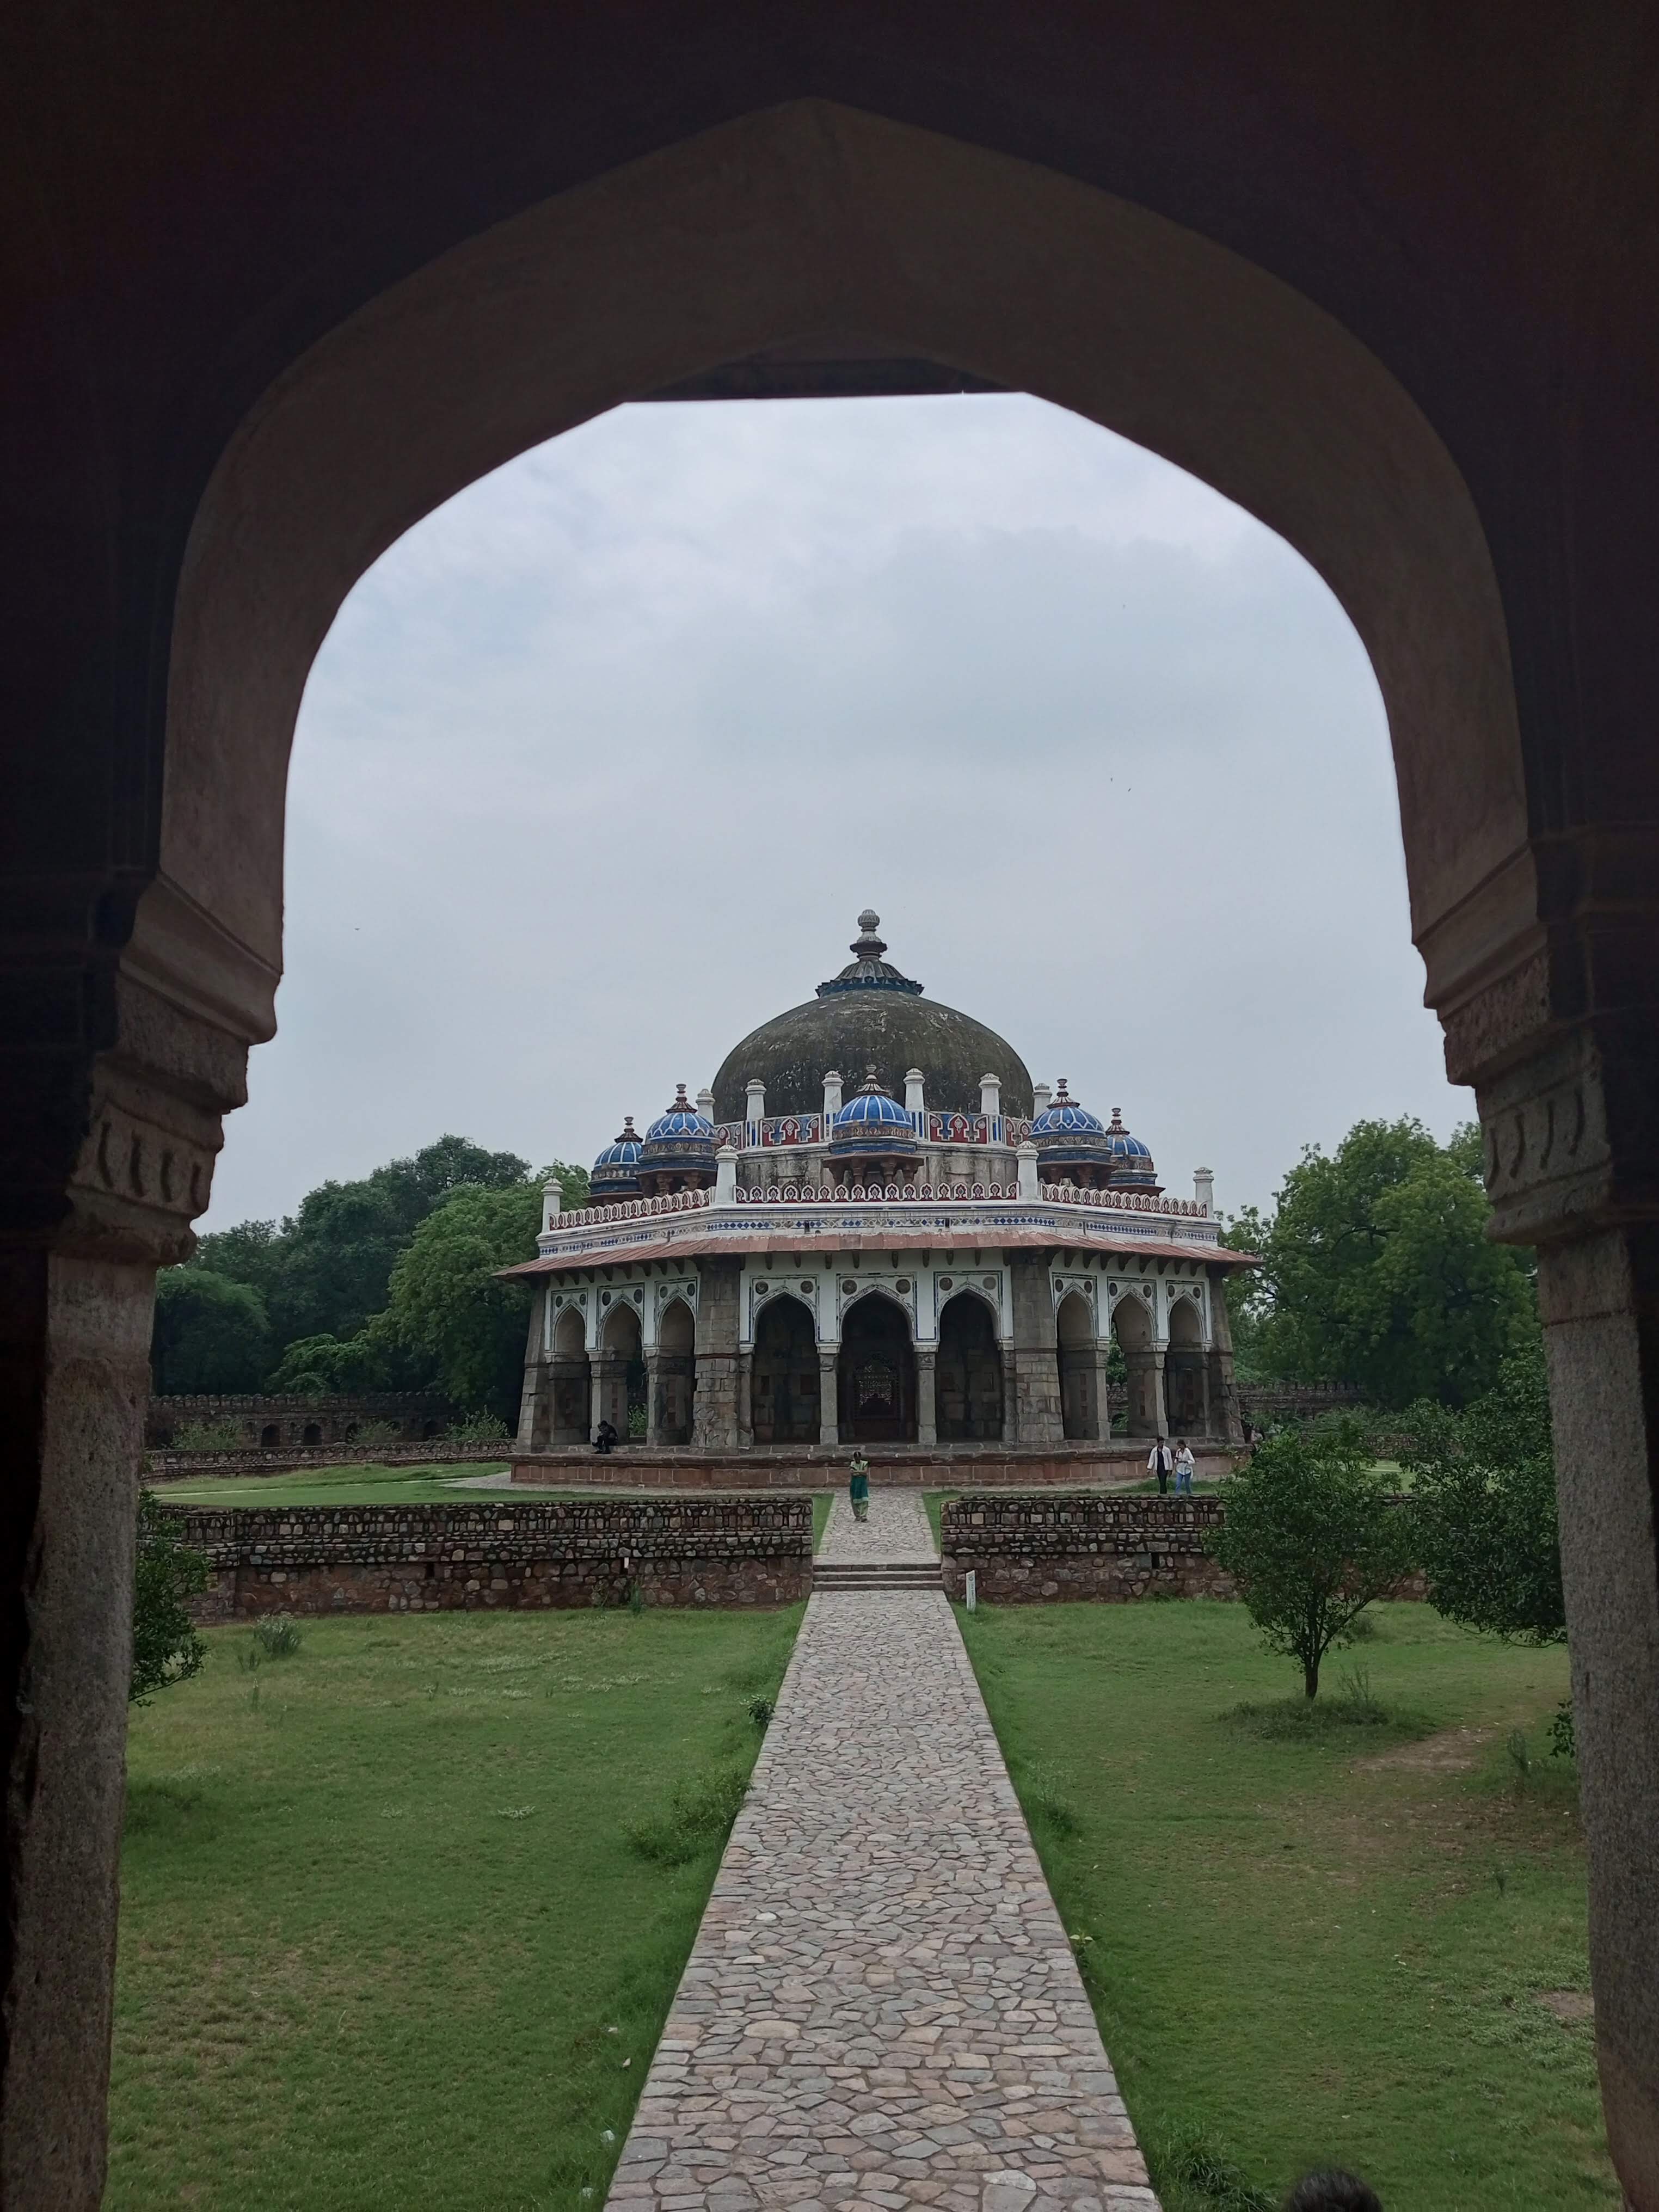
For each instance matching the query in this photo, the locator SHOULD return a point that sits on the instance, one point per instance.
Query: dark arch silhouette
(876, 1373)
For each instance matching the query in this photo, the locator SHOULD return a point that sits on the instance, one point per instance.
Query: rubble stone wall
(506, 1554)
(1033, 1549)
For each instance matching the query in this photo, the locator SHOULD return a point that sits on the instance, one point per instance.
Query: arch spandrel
(803, 222)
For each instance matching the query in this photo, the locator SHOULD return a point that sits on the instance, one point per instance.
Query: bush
(374, 1432)
(1187, 2161)
(478, 1428)
(166, 1647)
(1564, 1735)
(700, 1814)
(278, 1635)
(207, 1437)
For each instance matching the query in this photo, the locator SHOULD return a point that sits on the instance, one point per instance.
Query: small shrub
(207, 1437)
(1564, 1736)
(1519, 1751)
(761, 1710)
(1365, 1708)
(700, 1814)
(637, 1423)
(635, 1599)
(278, 1635)
(166, 1647)
(478, 1428)
(1188, 2160)
(374, 1432)
(1294, 1720)
(1043, 1793)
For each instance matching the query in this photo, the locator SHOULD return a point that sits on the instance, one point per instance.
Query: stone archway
(876, 1374)
(784, 1403)
(192, 517)
(1082, 1396)
(619, 1373)
(1131, 1325)
(1186, 1378)
(967, 1372)
(672, 1375)
(572, 1417)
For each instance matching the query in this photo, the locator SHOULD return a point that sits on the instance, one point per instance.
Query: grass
(823, 1505)
(933, 1502)
(1317, 1938)
(393, 1928)
(444, 1484)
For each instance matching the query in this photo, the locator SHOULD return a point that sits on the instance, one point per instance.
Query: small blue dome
(872, 1122)
(623, 1151)
(682, 1123)
(1123, 1145)
(1066, 1118)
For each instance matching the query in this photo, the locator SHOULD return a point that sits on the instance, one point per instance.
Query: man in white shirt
(1160, 1461)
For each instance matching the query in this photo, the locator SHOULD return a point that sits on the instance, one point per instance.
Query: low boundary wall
(820, 1467)
(1024, 1550)
(506, 1554)
(181, 1467)
(1042, 1548)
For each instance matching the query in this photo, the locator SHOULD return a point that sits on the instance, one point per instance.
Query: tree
(447, 1304)
(1312, 1537)
(1378, 1271)
(166, 1647)
(1484, 1503)
(209, 1334)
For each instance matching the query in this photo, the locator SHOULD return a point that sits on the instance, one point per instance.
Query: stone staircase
(877, 1575)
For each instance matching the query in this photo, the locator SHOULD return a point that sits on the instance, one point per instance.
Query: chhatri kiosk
(876, 1229)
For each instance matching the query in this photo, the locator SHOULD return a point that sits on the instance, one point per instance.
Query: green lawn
(1316, 1950)
(823, 1502)
(442, 1484)
(384, 1939)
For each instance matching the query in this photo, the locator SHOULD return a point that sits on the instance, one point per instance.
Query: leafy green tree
(1378, 1271)
(209, 1334)
(1247, 1303)
(166, 1647)
(1483, 1501)
(1312, 1537)
(448, 1304)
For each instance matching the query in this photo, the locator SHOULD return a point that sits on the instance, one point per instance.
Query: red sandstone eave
(700, 1247)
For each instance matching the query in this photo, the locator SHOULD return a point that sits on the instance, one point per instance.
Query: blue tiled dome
(681, 1120)
(616, 1171)
(1066, 1118)
(680, 1142)
(870, 1122)
(1121, 1143)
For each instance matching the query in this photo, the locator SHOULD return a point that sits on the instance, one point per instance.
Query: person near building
(605, 1437)
(1184, 1464)
(858, 1486)
(1160, 1461)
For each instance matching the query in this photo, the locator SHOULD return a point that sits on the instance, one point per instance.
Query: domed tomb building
(873, 1228)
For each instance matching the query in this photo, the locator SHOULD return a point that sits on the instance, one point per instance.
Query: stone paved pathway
(881, 2008)
(897, 1529)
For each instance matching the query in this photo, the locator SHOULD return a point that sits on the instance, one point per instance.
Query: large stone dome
(869, 1016)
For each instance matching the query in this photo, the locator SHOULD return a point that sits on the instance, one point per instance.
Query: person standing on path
(858, 1487)
(1160, 1461)
(1183, 1469)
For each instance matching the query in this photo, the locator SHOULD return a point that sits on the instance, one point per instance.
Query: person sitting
(1333, 2190)
(605, 1437)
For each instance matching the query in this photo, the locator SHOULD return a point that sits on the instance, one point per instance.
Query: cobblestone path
(897, 1529)
(881, 2008)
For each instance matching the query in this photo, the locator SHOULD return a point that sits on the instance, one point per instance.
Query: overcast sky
(600, 762)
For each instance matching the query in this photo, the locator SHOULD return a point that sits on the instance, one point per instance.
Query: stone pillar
(1025, 1157)
(926, 1420)
(829, 1395)
(745, 1400)
(1102, 1403)
(1221, 1390)
(1035, 1404)
(1570, 1167)
(714, 1417)
(655, 1411)
(609, 1396)
(1144, 1375)
(535, 1399)
(110, 1108)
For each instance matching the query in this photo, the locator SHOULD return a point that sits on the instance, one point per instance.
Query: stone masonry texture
(1079, 1545)
(368, 1559)
(881, 2008)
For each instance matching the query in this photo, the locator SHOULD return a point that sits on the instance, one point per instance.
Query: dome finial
(866, 946)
